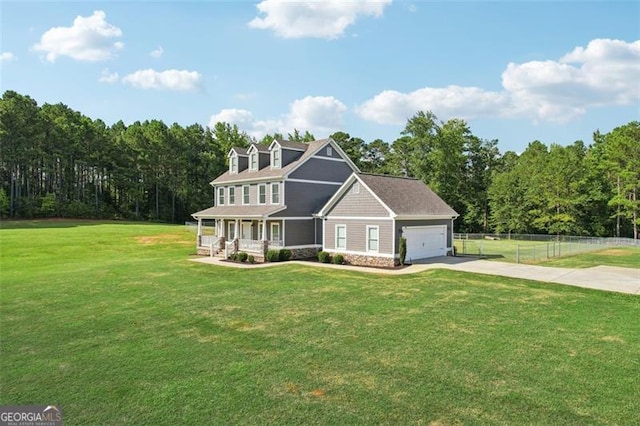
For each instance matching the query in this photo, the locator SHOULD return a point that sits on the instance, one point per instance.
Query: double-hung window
(232, 195)
(245, 194)
(221, 196)
(275, 158)
(253, 161)
(262, 194)
(341, 237)
(275, 231)
(372, 238)
(275, 193)
(233, 164)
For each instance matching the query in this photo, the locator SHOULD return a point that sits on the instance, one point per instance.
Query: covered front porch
(231, 235)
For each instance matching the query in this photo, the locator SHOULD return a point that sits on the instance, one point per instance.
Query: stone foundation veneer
(304, 253)
(363, 260)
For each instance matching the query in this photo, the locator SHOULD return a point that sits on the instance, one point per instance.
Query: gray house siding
(357, 234)
(318, 226)
(243, 163)
(264, 160)
(426, 222)
(304, 199)
(288, 155)
(361, 204)
(323, 152)
(299, 232)
(324, 170)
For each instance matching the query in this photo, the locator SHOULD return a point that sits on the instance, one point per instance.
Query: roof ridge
(388, 176)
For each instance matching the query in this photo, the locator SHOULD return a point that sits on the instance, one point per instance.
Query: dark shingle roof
(407, 196)
(238, 211)
(268, 172)
(293, 145)
(240, 151)
(261, 147)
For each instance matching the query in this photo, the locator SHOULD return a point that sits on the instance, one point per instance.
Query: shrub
(285, 254)
(338, 259)
(403, 250)
(233, 257)
(324, 257)
(273, 256)
(251, 259)
(242, 256)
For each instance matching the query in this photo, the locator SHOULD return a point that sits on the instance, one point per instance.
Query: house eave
(425, 217)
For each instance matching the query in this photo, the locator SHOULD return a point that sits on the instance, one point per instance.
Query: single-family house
(366, 218)
(311, 197)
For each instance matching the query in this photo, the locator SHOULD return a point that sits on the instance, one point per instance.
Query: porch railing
(276, 243)
(250, 245)
(207, 240)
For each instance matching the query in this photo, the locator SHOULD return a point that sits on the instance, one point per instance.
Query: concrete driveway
(609, 278)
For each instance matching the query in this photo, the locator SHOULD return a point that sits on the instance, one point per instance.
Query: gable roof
(239, 151)
(267, 173)
(404, 197)
(296, 146)
(259, 147)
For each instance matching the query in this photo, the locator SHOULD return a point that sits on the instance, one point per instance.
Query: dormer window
(275, 158)
(253, 161)
(233, 164)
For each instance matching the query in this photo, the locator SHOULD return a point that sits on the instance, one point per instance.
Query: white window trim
(275, 185)
(279, 151)
(229, 191)
(277, 225)
(247, 187)
(231, 159)
(221, 192)
(329, 150)
(336, 237)
(355, 188)
(377, 228)
(254, 154)
(262, 185)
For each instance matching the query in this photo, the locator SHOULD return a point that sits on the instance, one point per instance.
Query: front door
(246, 231)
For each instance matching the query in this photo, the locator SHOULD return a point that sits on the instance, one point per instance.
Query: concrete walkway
(607, 278)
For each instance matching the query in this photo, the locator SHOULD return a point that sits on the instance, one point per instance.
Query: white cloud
(241, 117)
(108, 77)
(606, 72)
(394, 107)
(320, 115)
(156, 53)
(180, 80)
(7, 57)
(321, 19)
(88, 39)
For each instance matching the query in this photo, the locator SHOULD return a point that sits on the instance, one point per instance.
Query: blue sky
(516, 71)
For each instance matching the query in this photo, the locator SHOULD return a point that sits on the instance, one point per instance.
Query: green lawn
(569, 254)
(113, 323)
(627, 257)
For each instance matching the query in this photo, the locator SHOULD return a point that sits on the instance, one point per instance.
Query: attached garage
(425, 241)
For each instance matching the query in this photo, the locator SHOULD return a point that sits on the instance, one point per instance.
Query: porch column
(199, 238)
(237, 227)
(264, 229)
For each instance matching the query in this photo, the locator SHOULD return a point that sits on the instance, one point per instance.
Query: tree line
(57, 162)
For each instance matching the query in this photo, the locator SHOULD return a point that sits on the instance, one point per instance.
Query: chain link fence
(532, 248)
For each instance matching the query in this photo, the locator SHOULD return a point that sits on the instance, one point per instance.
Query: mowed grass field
(565, 254)
(112, 322)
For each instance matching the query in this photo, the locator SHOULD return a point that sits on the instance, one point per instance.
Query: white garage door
(426, 241)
